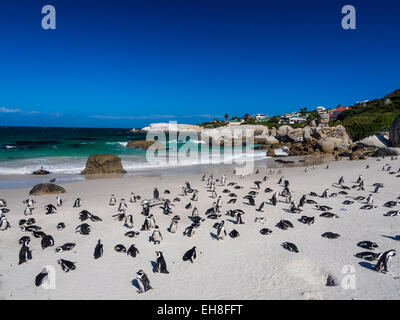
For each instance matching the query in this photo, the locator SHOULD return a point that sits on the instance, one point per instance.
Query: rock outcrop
(395, 132)
(146, 144)
(41, 172)
(103, 164)
(323, 120)
(165, 127)
(46, 188)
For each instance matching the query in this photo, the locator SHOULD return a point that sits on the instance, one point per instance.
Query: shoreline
(18, 181)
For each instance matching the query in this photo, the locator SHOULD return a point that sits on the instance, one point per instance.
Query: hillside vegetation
(376, 116)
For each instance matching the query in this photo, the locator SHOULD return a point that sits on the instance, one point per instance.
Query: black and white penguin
(239, 219)
(190, 255)
(274, 199)
(189, 231)
(77, 203)
(132, 234)
(132, 251)
(290, 246)
(41, 277)
(307, 220)
(129, 222)
(50, 209)
(113, 201)
(143, 281)
(132, 198)
(122, 206)
(367, 245)
(284, 224)
(28, 211)
(173, 226)
(250, 199)
(195, 212)
(60, 226)
(221, 232)
(66, 265)
(25, 253)
(59, 201)
(384, 258)
(156, 236)
(47, 241)
(258, 183)
(98, 250)
(161, 264)
(83, 229)
(120, 248)
(4, 224)
(3, 203)
(65, 247)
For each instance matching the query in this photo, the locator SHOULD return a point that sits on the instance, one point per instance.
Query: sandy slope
(252, 266)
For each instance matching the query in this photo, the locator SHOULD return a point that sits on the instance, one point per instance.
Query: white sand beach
(252, 266)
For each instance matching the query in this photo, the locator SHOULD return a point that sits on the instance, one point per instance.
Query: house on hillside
(261, 117)
(333, 113)
(292, 118)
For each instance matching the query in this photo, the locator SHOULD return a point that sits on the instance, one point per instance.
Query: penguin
(274, 199)
(234, 234)
(173, 226)
(161, 264)
(132, 234)
(4, 224)
(50, 209)
(369, 199)
(156, 236)
(60, 226)
(129, 222)
(120, 248)
(25, 253)
(250, 199)
(221, 232)
(384, 258)
(77, 203)
(84, 215)
(156, 194)
(261, 207)
(132, 251)
(265, 231)
(95, 218)
(239, 219)
(330, 235)
(66, 265)
(41, 277)
(367, 245)
(38, 234)
(190, 255)
(122, 206)
(368, 255)
(290, 246)
(132, 198)
(3, 203)
(24, 239)
(325, 194)
(143, 281)
(47, 241)
(189, 231)
(65, 247)
(59, 201)
(113, 201)
(195, 212)
(257, 183)
(284, 224)
(28, 211)
(195, 196)
(83, 229)
(98, 250)
(307, 220)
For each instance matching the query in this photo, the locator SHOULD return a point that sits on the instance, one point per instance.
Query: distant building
(246, 117)
(388, 101)
(262, 117)
(320, 109)
(292, 118)
(333, 113)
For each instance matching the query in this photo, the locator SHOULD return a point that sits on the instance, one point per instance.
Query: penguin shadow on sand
(213, 236)
(135, 283)
(367, 265)
(154, 266)
(230, 220)
(396, 238)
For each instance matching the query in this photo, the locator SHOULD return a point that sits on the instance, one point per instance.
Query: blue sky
(126, 63)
